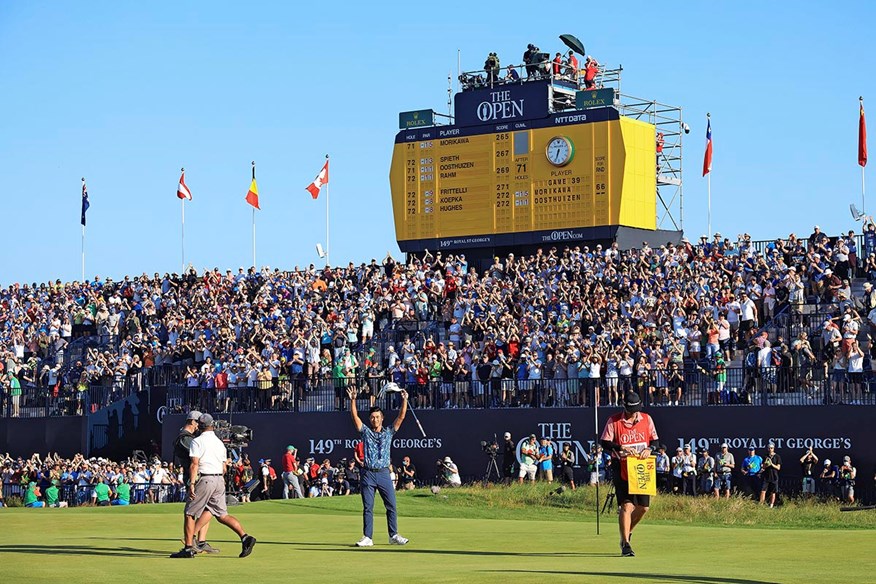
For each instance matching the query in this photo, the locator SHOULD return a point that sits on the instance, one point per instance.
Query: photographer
(724, 470)
(509, 458)
(705, 471)
(772, 464)
(807, 467)
(847, 474)
(567, 462)
(407, 474)
(449, 473)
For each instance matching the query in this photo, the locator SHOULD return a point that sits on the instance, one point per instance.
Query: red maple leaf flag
(182, 191)
(321, 179)
(862, 137)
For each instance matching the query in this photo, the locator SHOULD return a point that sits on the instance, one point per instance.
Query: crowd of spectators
(700, 473)
(546, 329)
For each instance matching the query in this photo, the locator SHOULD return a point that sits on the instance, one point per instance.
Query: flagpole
(863, 197)
(183, 226)
(83, 239)
(253, 224)
(327, 238)
(709, 189)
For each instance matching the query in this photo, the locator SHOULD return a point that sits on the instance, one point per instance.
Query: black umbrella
(573, 43)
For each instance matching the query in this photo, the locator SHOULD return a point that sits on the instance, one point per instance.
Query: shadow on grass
(80, 550)
(639, 576)
(333, 547)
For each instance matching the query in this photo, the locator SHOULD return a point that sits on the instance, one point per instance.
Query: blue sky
(126, 93)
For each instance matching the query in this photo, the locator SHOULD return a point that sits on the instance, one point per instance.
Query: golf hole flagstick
(392, 387)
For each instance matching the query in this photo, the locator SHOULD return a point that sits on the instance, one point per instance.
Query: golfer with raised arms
(375, 472)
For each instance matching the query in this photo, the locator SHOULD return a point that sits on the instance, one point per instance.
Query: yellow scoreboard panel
(460, 182)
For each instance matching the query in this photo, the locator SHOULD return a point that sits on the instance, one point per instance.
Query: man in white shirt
(748, 318)
(207, 496)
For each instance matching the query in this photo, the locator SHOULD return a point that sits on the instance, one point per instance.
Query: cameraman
(491, 67)
(181, 460)
(509, 458)
(449, 473)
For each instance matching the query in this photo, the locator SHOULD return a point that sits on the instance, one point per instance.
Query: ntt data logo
(500, 107)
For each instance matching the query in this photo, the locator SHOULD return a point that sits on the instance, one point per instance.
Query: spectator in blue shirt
(546, 460)
(751, 469)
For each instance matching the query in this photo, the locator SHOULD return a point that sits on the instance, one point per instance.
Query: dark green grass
(472, 535)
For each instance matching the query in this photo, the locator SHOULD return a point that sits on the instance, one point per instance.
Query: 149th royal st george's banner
(568, 171)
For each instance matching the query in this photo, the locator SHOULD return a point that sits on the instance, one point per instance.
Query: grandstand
(559, 328)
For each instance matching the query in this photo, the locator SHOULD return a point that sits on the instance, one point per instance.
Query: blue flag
(85, 203)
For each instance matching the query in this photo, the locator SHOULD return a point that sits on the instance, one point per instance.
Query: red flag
(182, 191)
(707, 159)
(252, 196)
(862, 138)
(321, 179)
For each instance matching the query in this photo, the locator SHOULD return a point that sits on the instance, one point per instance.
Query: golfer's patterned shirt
(377, 445)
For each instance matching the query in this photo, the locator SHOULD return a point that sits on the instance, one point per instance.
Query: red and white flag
(182, 191)
(707, 157)
(862, 136)
(321, 179)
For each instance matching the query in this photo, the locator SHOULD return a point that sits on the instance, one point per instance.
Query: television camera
(232, 436)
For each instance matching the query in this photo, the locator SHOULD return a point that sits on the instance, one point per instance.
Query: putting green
(315, 537)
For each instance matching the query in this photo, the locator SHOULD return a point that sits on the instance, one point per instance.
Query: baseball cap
(532, 436)
(193, 415)
(447, 459)
(632, 402)
(846, 458)
(826, 462)
(507, 435)
(261, 461)
(290, 447)
(725, 445)
(205, 420)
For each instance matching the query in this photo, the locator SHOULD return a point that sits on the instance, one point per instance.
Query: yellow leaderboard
(522, 182)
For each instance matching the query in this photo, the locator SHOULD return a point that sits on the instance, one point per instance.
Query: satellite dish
(573, 43)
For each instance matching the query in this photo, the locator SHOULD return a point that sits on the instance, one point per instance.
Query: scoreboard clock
(560, 151)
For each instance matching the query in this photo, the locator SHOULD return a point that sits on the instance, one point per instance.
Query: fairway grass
(460, 538)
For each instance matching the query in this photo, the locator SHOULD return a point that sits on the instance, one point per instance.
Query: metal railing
(68, 400)
(690, 386)
(78, 495)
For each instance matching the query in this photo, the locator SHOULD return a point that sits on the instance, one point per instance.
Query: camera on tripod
(491, 448)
